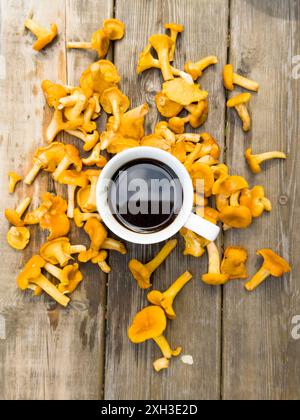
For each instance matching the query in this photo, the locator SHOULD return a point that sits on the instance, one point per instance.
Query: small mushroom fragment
(114, 28)
(160, 364)
(18, 237)
(32, 275)
(230, 79)
(92, 175)
(196, 69)
(99, 42)
(239, 103)
(14, 217)
(150, 323)
(47, 158)
(194, 244)
(142, 272)
(80, 218)
(114, 245)
(214, 276)
(182, 92)
(273, 265)
(73, 179)
(165, 299)
(71, 157)
(175, 29)
(238, 217)
(254, 161)
(233, 263)
(14, 178)
(57, 125)
(177, 124)
(256, 201)
(163, 46)
(100, 260)
(95, 158)
(53, 93)
(114, 102)
(44, 36)
(60, 251)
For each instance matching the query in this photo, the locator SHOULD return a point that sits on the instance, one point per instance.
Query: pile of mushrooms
(225, 198)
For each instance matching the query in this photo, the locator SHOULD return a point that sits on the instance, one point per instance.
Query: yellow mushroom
(143, 272)
(254, 161)
(114, 28)
(44, 36)
(160, 364)
(73, 180)
(214, 276)
(174, 29)
(14, 178)
(182, 92)
(114, 245)
(18, 237)
(57, 125)
(99, 42)
(234, 261)
(194, 244)
(80, 218)
(115, 102)
(163, 45)
(196, 69)
(60, 251)
(100, 260)
(89, 140)
(256, 201)
(95, 158)
(166, 107)
(165, 299)
(230, 79)
(53, 93)
(239, 103)
(68, 274)
(14, 217)
(71, 157)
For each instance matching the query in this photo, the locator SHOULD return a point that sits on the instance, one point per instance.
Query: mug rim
(119, 160)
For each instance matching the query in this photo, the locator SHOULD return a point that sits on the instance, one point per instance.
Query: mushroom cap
(55, 219)
(233, 263)
(108, 71)
(31, 270)
(114, 94)
(82, 198)
(121, 144)
(241, 99)
(228, 76)
(114, 28)
(71, 177)
(100, 257)
(166, 107)
(79, 222)
(13, 218)
(252, 162)
(50, 156)
(153, 140)
(161, 42)
(174, 27)
(177, 125)
(211, 214)
(132, 123)
(209, 146)
(146, 60)
(230, 185)
(100, 42)
(97, 233)
(70, 274)
(18, 237)
(44, 40)
(255, 200)
(53, 92)
(56, 251)
(214, 279)
(194, 244)
(274, 263)
(149, 323)
(88, 255)
(73, 154)
(198, 113)
(141, 273)
(182, 92)
(92, 174)
(236, 217)
(202, 172)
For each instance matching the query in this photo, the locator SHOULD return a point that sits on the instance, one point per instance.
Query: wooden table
(241, 343)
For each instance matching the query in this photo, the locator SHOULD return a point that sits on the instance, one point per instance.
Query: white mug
(185, 218)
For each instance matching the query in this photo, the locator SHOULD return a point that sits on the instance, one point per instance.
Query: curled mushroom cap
(59, 251)
(14, 178)
(18, 237)
(236, 217)
(44, 36)
(167, 107)
(163, 45)
(196, 69)
(198, 113)
(142, 272)
(230, 79)
(177, 124)
(14, 217)
(214, 277)
(254, 161)
(115, 102)
(53, 92)
(182, 92)
(273, 265)
(114, 28)
(234, 261)
(194, 244)
(229, 185)
(255, 200)
(200, 172)
(165, 299)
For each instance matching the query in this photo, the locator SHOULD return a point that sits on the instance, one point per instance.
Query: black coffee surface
(145, 196)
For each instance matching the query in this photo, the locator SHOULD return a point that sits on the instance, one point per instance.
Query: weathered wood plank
(260, 358)
(47, 352)
(129, 373)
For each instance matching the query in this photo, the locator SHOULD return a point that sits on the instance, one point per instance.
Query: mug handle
(202, 227)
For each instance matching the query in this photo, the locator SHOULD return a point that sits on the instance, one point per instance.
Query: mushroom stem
(178, 284)
(160, 364)
(245, 83)
(71, 198)
(104, 267)
(37, 30)
(22, 207)
(234, 199)
(214, 258)
(54, 271)
(244, 116)
(114, 245)
(68, 101)
(161, 256)
(259, 278)
(164, 346)
(51, 290)
(80, 45)
(32, 174)
(76, 249)
(63, 165)
(116, 114)
(269, 156)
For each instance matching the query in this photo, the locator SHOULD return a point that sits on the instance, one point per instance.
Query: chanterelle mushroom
(180, 91)
(80, 218)
(175, 29)
(163, 45)
(71, 157)
(150, 323)
(196, 69)
(53, 92)
(44, 36)
(95, 158)
(234, 261)
(97, 234)
(73, 179)
(57, 125)
(14, 178)
(18, 237)
(31, 274)
(142, 272)
(273, 265)
(114, 102)
(254, 161)
(54, 217)
(165, 299)
(114, 28)
(166, 107)
(194, 244)
(100, 259)
(60, 251)
(99, 42)
(70, 274)
(14, 217)
(255, 200)
(239, 103)
(230, 79)
(214, 276)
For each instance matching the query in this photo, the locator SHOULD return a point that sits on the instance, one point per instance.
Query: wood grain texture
(129, 372)
(48, 352)
(260, 357)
